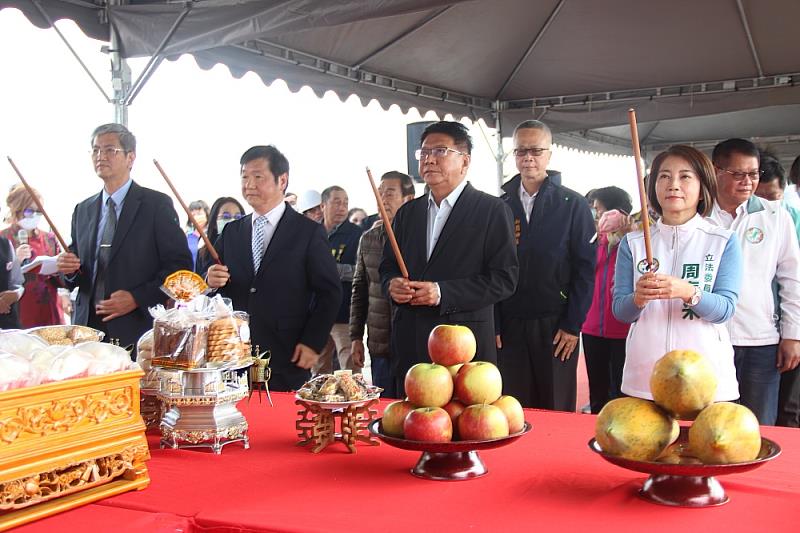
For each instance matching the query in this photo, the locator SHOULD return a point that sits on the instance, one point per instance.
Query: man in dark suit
(538, 326)
(125, 241)
(458, 245)
(277, 266)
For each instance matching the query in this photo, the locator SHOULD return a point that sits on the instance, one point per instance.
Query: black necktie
(105, 251)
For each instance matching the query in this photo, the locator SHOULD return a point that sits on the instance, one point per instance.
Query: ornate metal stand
(200, 408)
(316, 424)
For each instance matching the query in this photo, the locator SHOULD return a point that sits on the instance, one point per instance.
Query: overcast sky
(197, 123)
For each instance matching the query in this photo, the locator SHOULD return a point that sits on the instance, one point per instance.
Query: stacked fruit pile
(453, 398)
(683, 385)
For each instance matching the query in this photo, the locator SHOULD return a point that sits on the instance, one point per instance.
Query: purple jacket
(600, 321)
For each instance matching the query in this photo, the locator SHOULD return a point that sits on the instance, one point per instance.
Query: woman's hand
(653, 286)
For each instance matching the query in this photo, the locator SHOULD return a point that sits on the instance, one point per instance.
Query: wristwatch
(695, 299)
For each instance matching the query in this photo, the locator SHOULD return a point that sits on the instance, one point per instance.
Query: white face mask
(221, 223)
(30, 223)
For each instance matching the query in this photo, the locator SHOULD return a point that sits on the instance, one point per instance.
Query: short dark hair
(613, 198)
(794, 172)
(724, 150)
(456, 130)
(326, 194)
(278, 164)
(771, 168)
(126, 139)
(701, 166)
(406, 183)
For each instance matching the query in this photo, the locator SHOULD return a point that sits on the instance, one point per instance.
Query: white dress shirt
(527, 201)
(438, 215)
(273, 217)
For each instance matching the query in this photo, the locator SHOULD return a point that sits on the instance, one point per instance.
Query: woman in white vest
(683, 303)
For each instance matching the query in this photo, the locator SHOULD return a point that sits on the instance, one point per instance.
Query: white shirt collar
(451, 198)
(273, 216)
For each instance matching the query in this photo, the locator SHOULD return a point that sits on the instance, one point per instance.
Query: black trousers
(530, 372)
(789, 399)
(605, 359)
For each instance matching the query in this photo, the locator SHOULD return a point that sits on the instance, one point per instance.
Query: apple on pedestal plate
(429, 424)
(428, 385)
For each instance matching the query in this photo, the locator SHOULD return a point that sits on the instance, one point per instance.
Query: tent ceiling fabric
(571, 63)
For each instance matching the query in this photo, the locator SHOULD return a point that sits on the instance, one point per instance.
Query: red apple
(451, 345)
(430, 424)
(478, 382)
(393, 417)
(454, 369)
(454, 408)
(428, 385)
(482, 422)
(513, 411)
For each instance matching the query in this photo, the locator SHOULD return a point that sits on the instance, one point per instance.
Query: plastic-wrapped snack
(15, 372)
(329, 387)
(20, 343)
(144, 347)
(350, 387)
(179, 339)
(66, 335)
(229, 339)
(184, 285)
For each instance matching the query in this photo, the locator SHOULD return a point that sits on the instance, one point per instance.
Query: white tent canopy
(695, 71)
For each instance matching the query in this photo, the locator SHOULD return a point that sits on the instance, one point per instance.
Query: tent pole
(500, 154)
(120, 74)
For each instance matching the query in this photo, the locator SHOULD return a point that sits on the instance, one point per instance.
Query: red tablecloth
(548, 479)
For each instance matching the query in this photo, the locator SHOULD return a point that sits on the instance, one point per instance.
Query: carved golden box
(69, 443)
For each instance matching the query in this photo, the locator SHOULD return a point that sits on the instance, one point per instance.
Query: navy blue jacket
(556, 259)
(344, 247)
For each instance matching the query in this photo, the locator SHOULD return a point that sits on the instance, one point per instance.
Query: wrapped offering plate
(447, 461)
(687, 483)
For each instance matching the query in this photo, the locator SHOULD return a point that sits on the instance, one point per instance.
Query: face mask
(221, 223)
(30, 223)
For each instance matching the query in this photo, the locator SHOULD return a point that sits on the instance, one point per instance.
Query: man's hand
(425, 293)
(565, 343)
(498, 342)
(788, 354)
(304, 357)
(357, 351)
(23, 252)
(217, 276)
(120, 303)
(7, 299)
(68, 263)
(400, 290)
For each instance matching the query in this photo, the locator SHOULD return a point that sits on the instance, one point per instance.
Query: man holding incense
(458, 245)
(277, 266)
(125, 240)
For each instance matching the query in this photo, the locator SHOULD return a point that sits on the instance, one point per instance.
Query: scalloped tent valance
(695, 71)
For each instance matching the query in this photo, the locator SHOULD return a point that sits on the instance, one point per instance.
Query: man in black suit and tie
(277, 266)
(125, 241)
(458, 245)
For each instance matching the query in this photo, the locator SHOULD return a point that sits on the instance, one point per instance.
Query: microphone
(22, 238)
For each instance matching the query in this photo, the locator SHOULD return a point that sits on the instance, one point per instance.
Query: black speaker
(413, 133)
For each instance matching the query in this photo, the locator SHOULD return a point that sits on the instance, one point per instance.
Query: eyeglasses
(435, 152)
(754, 175)
(28, 212)
(535, 152)
(229, 216)
(107, 152)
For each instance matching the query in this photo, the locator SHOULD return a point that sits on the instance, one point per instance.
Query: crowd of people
(534, 273)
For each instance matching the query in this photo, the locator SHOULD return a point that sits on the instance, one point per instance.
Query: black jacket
(474, 262)
(344, 246)
(556, 259)
(148, 246)
(294, 296)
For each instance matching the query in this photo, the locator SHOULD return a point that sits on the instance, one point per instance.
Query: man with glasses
(458, 246)
(538, 327)
(765, 336)
(277, 266)
(125, 240)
